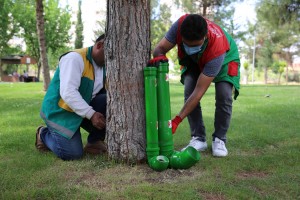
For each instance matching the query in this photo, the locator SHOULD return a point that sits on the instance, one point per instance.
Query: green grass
(263, 160)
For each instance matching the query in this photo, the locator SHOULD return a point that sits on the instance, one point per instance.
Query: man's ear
(99, 44)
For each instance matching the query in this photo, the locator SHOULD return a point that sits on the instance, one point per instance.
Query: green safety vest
(55, 112)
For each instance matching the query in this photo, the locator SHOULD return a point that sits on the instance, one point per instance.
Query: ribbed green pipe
(164, 112)
(156, 162)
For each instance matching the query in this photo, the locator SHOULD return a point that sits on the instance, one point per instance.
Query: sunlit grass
(263, 160)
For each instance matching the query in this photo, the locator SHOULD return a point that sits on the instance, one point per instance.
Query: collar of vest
(89, 54)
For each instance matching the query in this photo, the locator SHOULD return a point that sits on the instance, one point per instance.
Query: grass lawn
(263, 160)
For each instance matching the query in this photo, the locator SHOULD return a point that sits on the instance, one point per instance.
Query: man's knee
(73, 154)
(224, 92)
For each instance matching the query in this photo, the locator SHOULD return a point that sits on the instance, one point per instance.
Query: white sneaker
(219, 148)
(197, 144)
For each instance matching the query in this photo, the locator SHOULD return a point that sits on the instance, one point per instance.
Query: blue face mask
(192, 50)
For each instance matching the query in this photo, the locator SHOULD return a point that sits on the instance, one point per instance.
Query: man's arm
(211, 70)
(162, 47)
(203, 83)
(71, 68)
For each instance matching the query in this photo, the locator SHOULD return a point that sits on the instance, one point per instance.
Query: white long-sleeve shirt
(71, 67)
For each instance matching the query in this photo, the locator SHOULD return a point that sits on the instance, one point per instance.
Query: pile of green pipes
(160, 146)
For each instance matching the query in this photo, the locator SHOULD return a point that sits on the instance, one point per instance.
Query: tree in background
(101, 23)
(278, 68)
(57, 31)
(79, 29)
(246, 67)
(57, 26)
(160, 21)
(127, 50)
(207, 8)
(219, 11)
(280, 22)
(101, 28)
(202, 7)
(160, 24)
(8, 26)
(224, 17)
(42, 42)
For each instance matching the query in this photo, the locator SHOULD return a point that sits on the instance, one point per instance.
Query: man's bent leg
(66, 149)
(195, 117)
(96, 137)
(223, 109)
(99, 105)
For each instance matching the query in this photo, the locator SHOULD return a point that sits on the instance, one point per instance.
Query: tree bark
(127, 50)
(42, 42)
(266, 75)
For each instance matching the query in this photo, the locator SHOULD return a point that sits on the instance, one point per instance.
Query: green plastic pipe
(160, 147)
(164, 112)
(156, 162)
(178, 160)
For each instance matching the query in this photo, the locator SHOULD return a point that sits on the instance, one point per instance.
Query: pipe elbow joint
(184, 159)
(159, 163)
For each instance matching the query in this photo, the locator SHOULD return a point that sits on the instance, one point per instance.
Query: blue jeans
(71, 149)
(223, 111)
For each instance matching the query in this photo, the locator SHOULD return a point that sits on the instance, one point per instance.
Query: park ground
(263, 160)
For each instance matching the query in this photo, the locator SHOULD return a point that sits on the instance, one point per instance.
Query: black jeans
(223, 111)
(99, 105)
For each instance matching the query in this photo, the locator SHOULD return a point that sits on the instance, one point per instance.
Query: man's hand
(155, 61)
(175, 122)
(98, 120)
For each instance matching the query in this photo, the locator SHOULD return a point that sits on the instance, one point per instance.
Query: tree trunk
(279, 78)
(127, 50)
(1, 72)
(39, 70)
(42, 41)
(266, 75)
(287, 74)
(204, 8)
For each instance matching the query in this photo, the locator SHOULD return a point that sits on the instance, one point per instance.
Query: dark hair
(193, 27)
(100, 38)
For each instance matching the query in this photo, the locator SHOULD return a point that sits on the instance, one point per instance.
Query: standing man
(75, 98)
(207, 53)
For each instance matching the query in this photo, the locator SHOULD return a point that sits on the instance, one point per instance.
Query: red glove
(175, 122)
(155, 61)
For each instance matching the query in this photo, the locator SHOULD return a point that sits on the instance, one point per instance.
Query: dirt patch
(251, 174)
(211, 196)
(119, 177)
(167, 176)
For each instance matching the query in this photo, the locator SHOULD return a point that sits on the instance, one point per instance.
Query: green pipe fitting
(164, 112)
(159, 163)
(184, 159)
